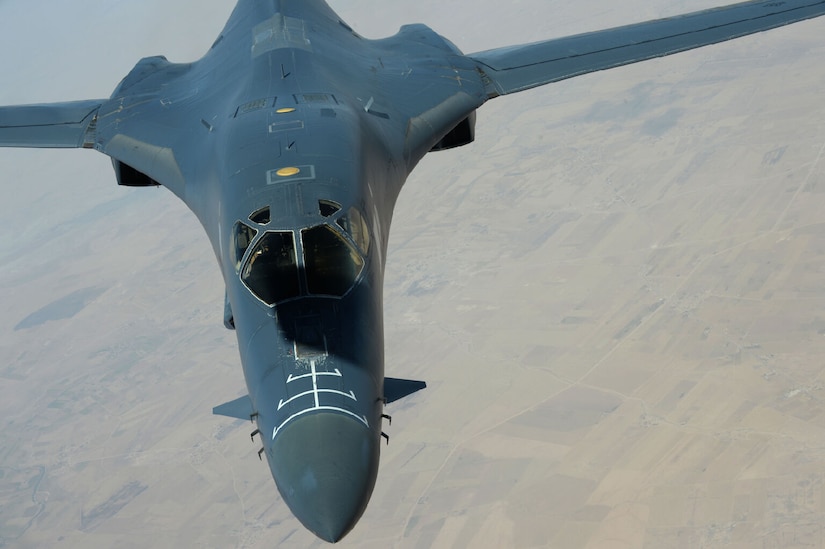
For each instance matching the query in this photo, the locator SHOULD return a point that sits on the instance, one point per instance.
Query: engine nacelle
(463, 134)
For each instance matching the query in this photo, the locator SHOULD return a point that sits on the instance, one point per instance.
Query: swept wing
(517, 68)
(53, 125)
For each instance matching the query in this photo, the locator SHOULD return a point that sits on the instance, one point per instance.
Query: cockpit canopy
(332, 264)
(324, 259)
(271, 271)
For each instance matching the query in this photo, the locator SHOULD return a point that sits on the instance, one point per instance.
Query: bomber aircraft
(290, 140)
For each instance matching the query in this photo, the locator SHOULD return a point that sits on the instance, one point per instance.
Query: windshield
(330, 259)
(356, 226)
(242, 236)
(332, 263)
(271, 271)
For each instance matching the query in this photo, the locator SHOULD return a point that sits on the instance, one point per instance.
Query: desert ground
(615, 296)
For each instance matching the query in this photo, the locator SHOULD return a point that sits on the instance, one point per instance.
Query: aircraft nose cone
(325, 466)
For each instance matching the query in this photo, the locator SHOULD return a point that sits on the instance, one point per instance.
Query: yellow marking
(285, 110)
(286, 172)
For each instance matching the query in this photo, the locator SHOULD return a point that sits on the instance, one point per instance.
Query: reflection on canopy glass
(356, 226)
(332, 263)
(271, 271)
(242, 235)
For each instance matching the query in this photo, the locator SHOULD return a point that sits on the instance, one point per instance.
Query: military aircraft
(290, 140)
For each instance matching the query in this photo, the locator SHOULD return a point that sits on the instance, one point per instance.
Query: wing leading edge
(518, 68)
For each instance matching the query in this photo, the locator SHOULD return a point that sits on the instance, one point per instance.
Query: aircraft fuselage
(296, 191)
(305, 291)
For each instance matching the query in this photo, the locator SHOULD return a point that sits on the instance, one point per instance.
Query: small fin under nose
(240, 408)
(396, 389)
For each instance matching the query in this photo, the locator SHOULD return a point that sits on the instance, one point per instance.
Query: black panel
(130, 177)
(463, 134)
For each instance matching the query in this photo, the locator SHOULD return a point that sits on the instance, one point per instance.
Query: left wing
(141, 127)
(517, 68)
(51, 125)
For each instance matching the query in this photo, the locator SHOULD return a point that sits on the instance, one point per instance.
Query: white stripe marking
(362, 419)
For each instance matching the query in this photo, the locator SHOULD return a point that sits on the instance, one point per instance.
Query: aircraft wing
(141, 127)
(51, 125)
(518, 68)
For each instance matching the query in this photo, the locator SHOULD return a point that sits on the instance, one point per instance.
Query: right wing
(50, 125)
(518, 68)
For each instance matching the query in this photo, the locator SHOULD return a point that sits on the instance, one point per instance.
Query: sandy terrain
(615, 296)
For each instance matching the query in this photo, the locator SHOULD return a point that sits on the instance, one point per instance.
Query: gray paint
(289, 85)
